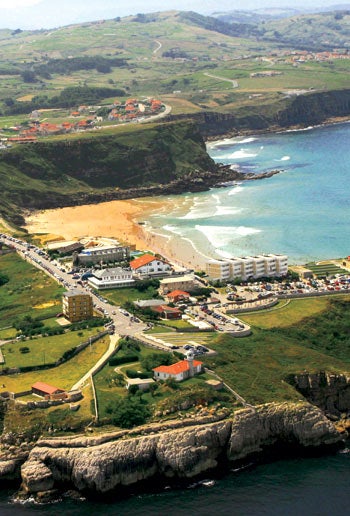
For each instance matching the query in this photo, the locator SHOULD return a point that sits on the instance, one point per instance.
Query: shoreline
(120, 219)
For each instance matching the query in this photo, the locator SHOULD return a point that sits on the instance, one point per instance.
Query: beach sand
(119, 220)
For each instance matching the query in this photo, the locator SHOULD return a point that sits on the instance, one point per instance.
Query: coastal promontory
(100, 464)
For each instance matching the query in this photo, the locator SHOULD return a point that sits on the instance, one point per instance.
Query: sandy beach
(119, 220)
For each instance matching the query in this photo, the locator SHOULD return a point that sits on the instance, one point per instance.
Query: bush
(128, 412)
(24, 349)
(115, 361)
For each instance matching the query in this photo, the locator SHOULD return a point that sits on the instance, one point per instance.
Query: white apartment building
(248, 267)
(116, 277)
(218, 270)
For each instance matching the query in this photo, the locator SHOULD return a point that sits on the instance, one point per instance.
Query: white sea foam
(285, 158)
(236, 190)
(172, 229)
(226, 210)
(240, 154)
(222, 236)
(228, 142)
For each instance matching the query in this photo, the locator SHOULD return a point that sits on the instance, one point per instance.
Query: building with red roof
(177, 295)
(149, 265)
(48, 391)
(167, 312)
(179, 371)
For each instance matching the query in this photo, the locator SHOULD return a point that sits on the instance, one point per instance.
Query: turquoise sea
(302, 211)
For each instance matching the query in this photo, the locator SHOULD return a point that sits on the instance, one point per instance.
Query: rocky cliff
(102, 464)
(329, 392)
(312, 108)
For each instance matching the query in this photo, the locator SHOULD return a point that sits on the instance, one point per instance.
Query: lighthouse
(190, 358)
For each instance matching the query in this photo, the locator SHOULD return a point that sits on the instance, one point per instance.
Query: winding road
(232, 81)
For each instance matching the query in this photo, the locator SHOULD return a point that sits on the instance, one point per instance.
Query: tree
(28, 76)
(3, 279)
(155, 360)
(128, 412)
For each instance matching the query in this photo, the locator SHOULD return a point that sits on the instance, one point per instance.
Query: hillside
(166, 53)
(63, 171)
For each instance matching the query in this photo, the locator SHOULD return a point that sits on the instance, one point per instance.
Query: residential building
(149, 265)
(48, 391)
(116, 277)
(104, 254)
(77, 306)
(186, 283)
(177, 295)
(281, 264)
(218, 270)
(248, 267)
(179, 371)
(167, 312)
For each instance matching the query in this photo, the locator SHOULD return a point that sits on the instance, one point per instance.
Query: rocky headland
(175, 450)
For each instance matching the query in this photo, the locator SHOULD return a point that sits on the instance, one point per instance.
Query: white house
(179, 371)
(116, 277)
(149, 265)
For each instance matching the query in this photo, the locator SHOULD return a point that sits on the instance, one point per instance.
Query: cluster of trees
(216, 25)
(69, 97)
(66, 66)
(128, 412)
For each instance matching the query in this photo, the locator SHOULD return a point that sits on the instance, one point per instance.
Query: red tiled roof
(142, 260)
(176, 293)
(179, 367)
(166, 308)
(44, 387)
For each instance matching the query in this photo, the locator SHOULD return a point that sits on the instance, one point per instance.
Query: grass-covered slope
(259, 366)
(50, 172)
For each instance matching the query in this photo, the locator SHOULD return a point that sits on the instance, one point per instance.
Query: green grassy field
(258, 366)
(122, 295)
(63, 376)
(43, 350)
(286, 313)
(29, 291)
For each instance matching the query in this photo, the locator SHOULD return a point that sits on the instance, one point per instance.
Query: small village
(84, 118)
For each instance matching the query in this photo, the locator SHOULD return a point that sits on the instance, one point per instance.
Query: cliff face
(96, 466)
(299, 110)
(329, 392)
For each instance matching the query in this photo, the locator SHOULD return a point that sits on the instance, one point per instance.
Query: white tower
(190, 358)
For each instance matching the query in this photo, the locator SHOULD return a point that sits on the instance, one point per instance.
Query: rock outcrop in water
(102, 464)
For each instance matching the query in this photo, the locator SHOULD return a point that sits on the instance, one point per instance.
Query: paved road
(232, 81)
(158, 47)
(99, 364)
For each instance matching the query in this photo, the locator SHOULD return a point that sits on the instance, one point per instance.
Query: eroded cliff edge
(97, 465)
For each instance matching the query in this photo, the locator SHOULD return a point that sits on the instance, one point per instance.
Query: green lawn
(121, 295)
(29, 291)
(8, 333)
(63, 376)
(286, 313)
(258, 366)
(44, 350)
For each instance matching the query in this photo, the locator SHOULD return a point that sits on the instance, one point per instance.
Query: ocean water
(298, 487)
(303, 211)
